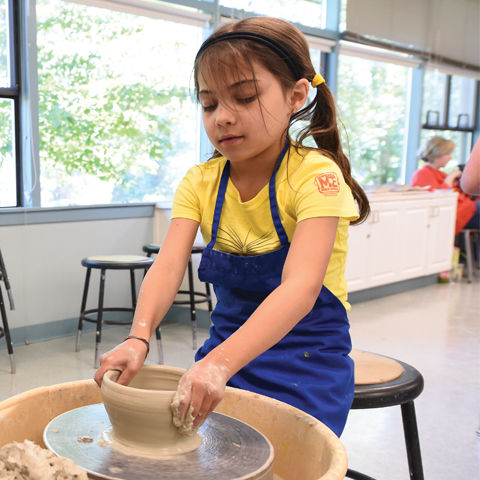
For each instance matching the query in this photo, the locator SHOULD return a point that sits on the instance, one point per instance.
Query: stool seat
(120, 262)
(96, 315)
(153, 248)
(405, 388)
(402, 391)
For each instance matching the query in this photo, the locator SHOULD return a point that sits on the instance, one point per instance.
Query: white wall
(45, 273)
(44, 269)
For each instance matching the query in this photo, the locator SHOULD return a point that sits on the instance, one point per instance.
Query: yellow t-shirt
(313, 187)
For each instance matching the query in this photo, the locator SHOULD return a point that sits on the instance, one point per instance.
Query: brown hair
(222, 57)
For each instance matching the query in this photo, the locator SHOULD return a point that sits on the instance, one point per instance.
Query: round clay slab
(230, 450)
(371, 369)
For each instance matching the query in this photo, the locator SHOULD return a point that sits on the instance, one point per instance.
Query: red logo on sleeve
(327, 183)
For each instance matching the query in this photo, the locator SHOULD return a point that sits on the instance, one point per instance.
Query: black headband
(279, 49)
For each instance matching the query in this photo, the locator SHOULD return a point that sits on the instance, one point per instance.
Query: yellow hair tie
(317, 80)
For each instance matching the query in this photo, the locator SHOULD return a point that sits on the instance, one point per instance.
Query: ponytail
(323, 129)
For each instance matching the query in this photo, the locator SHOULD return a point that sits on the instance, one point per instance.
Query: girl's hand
(201, 389)
(452, 177)
(128, 358)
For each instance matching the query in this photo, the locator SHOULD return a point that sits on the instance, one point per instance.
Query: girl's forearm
(163, 279)
(156, 296)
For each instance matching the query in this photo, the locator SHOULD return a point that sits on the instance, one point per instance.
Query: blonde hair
(435, 147)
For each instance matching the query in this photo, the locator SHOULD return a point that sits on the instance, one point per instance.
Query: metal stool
(5, 331)
(400, 391)
(468, 237)
(194, 297)
(104, 263)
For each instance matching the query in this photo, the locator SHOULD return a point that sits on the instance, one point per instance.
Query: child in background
(274, 214)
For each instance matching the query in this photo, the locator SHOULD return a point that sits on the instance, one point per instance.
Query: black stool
(469, 235)
(104, 263)
(400, 391)
(5, 331)
(194, 297)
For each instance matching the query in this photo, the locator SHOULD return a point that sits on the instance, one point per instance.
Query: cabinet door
(385, 235)
(441, 231)
(357, 258)
(414, 245)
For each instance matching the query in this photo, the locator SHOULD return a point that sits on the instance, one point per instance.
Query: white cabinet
(442, 215)
(405, 236)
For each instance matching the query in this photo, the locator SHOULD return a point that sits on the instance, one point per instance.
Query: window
(117, 118)
(7, 158)
(448, 101)
(8, 107)
(307, 12)
(461, 106)
(117, 121)
(433, 97)
(448, 110)
(372, 101)
(4, 45)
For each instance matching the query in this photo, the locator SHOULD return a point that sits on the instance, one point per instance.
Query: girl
(274, 215)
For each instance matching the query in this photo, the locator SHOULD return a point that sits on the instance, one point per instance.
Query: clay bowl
(140, 413)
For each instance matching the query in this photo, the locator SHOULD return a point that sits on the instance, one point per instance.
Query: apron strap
(272, 196)
(273, 199)
(219, 203)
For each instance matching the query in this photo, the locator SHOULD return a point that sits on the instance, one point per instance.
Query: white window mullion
(147, 9)
(371, 53)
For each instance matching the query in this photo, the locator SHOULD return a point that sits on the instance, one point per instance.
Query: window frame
(444, 124)
(23, 46)
(13, 92)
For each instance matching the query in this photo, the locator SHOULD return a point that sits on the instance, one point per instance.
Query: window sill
(29, 216)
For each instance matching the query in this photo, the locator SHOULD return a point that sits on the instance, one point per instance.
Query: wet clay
(184, 426)
(28, 461)
(141, 414)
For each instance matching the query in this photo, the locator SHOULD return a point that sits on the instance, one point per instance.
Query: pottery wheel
(230, 450)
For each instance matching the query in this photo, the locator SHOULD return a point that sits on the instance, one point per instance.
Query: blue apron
(310, 367)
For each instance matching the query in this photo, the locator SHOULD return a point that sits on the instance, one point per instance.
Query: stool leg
(133, 288)
(468, 249)
(158, 334)
(193, 312)
(98, 336)
(412, 441)
(82, 309)
(357, 475)
(6, 332)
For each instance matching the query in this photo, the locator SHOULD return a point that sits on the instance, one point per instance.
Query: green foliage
(372, 102)
(6, 131)
(90, 120)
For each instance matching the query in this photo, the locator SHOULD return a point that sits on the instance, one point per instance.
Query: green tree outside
(91, 119)
(372, 107)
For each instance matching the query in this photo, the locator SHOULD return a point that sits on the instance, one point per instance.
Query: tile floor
(436, 329)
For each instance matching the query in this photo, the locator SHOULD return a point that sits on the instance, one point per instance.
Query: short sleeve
(321, 190)
(186, 203)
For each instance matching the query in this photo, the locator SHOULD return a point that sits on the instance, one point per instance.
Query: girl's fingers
(126, 376)
(204, 411)
(125, 358)
(184, 394)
